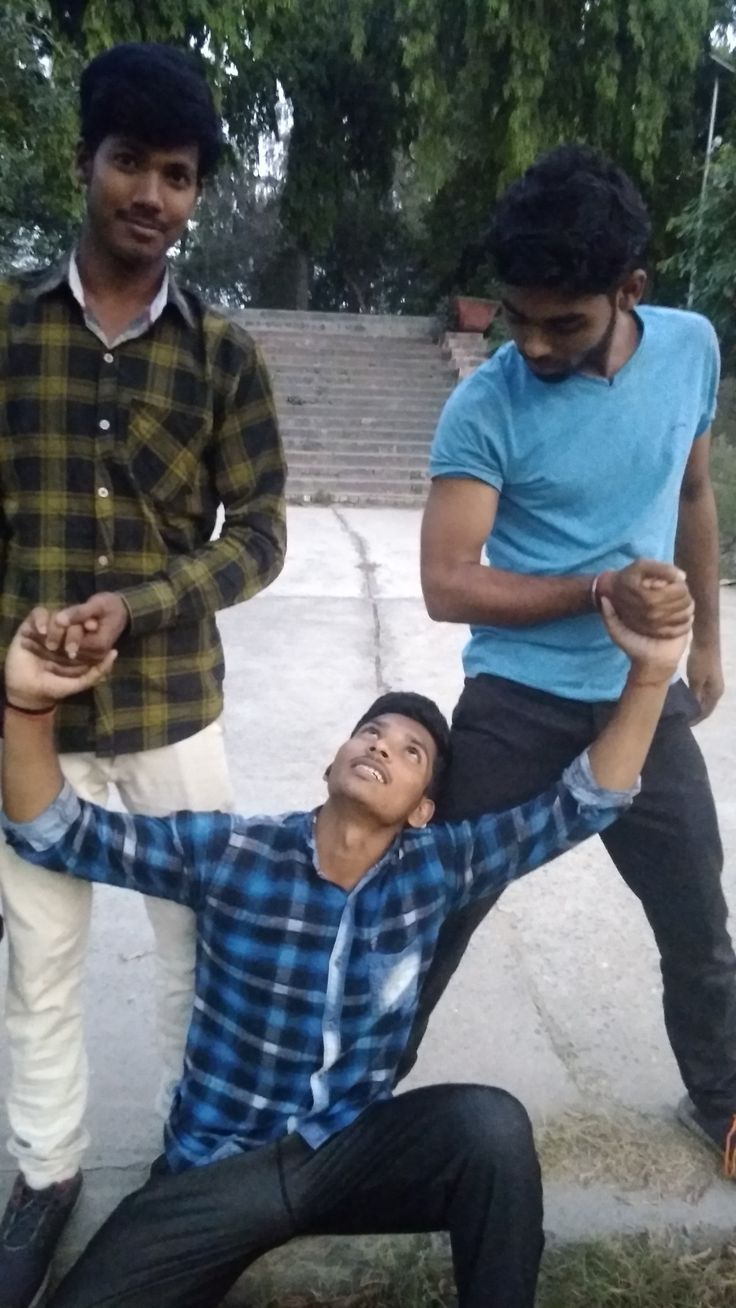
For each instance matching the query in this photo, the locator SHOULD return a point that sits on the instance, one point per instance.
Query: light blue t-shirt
(589, 474)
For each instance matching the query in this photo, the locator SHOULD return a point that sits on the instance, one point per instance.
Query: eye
(124, 159)
(180, 178)
(370, 730)
(415, 753)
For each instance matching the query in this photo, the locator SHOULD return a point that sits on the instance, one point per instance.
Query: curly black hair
(420, 709)
(154, 93)
(574, 222)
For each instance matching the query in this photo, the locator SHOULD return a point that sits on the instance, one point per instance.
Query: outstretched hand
(36, 680)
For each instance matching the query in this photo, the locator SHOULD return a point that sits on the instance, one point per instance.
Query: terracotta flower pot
(473, 314)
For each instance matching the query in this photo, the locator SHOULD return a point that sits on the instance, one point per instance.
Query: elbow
(438, 601)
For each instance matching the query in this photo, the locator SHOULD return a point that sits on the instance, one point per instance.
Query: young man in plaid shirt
(129, 412)
(315, 931)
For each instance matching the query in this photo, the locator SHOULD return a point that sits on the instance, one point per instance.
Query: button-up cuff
(580, 781)
(50, 826)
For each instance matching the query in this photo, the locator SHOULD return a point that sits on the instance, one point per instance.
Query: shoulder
(679, 328)
(272, 831)
(227, 339)
(492, 382)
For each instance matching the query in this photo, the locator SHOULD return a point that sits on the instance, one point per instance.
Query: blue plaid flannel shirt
(305, 994)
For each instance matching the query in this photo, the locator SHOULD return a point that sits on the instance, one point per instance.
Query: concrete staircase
(358, 398)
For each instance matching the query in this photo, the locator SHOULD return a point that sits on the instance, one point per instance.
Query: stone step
(412, 372)
(304, 418)
(372, 388)
(360, 324)
(413, 450)
(334, 460)
(296, 345)
(371, 489)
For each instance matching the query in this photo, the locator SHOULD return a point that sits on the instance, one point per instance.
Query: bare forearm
(31, 776)
(619, 753)
(472, 593)
(698, 554)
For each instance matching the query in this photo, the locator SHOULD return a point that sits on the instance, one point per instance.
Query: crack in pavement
(367, 569)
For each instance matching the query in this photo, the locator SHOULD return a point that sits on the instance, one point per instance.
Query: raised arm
(50, 826)
(458, 587)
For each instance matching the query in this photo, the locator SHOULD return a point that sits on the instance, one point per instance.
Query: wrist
(29, 707)
(643, 676)
(601, 587)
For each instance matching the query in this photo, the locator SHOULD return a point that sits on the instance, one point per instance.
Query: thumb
(98, 671)
(79, 614)
(613, 622)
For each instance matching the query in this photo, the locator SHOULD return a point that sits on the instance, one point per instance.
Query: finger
(668, 571)
(91, 624)
(66, 682)
(73, 639)
(55, 632)
(79, 612)
(38, 619)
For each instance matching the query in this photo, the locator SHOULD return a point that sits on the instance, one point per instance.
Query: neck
(349, 842)
(619, 347)
(104, 276)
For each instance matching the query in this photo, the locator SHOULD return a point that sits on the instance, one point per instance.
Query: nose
(534, 346)
(378, 747)
(148, 190)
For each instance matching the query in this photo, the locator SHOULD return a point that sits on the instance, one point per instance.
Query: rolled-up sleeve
(498, 848)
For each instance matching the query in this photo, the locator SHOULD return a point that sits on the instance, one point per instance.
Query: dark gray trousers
(456, 1158)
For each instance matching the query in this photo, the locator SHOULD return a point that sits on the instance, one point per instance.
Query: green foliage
(707, 247)
(39, 203)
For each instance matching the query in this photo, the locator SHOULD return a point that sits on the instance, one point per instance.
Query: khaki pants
(47, 924)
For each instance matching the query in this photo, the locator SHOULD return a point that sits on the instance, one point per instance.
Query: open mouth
(370, 771)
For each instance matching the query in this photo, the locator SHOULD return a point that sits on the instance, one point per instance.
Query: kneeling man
(314, 933)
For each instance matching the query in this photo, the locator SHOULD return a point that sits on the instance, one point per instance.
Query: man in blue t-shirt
(578, 450)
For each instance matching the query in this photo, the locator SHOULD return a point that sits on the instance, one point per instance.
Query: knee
(493, 1126)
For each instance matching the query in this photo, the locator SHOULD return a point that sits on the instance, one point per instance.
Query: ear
(632, 290)
(83, 164)
(327, 771)
(423, 813)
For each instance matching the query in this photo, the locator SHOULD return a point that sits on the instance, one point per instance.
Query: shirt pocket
(394, 979)
(165, 454)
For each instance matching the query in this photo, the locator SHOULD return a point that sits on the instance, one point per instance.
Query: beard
(594, 359)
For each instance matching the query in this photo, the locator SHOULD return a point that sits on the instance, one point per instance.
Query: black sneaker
(29, 1234)
(717, 1132)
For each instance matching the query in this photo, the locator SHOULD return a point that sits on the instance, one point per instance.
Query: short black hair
(574, 222)
(153, 93)
(424, 711)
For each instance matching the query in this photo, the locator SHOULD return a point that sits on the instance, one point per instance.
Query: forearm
(31, 776)
(474, 594)
(698, 554)
(242, 562)
(619, 753)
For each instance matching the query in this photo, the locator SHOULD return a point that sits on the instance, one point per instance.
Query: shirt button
(104, 424)
(109, 358)
(103, 492)
(103, 560)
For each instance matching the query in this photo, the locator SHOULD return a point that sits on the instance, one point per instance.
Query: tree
(496, 83)
(38, 200)
(707, 246)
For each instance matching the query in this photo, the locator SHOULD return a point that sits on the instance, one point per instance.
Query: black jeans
(509, 743)
(458, 1158)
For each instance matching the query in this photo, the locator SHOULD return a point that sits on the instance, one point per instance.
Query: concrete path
(558, 998)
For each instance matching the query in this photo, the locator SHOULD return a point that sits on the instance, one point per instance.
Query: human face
(139, 199)
(386, 768)
(557, 334)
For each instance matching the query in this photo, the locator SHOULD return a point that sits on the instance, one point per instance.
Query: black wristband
(30, 713)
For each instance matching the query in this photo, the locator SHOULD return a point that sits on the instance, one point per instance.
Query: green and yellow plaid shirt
(113, 463)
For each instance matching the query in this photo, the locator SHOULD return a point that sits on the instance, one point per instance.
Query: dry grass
(628, 1273)
(626, 1151)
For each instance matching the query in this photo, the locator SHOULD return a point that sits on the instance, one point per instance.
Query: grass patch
(626, 1151)
(636, 1272)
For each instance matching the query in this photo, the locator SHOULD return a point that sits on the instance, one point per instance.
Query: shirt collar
(66, 271)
